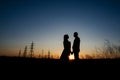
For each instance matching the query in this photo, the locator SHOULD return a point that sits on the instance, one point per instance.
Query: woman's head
(66, 37)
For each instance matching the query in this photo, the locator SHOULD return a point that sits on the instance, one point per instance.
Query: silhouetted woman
(67, 49)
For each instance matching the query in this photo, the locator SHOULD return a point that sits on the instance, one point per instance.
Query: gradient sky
(46, 21)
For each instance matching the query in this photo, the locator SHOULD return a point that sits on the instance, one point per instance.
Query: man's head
(75, 34)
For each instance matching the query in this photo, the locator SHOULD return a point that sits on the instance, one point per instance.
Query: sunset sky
(46, 21)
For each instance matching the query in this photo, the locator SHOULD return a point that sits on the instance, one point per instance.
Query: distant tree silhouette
(49, 54)
(25, 52)
(39, 56)
(42, 53)
(31, 49)
(19, 54)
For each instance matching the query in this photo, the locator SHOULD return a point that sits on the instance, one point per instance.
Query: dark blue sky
(46, 21)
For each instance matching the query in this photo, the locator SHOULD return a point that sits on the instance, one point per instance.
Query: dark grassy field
(20, 60)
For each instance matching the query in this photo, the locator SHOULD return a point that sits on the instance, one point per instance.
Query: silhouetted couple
(67, 47)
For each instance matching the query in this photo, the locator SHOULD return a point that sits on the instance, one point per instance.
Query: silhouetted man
(76, 46)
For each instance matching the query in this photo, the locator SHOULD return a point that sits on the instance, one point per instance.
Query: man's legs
(76, 55)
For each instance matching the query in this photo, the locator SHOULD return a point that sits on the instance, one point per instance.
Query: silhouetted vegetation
(109, 50)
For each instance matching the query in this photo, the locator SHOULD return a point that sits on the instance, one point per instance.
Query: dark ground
(19, 66)
(20, 60)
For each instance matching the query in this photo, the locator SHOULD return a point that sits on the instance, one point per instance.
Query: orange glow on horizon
(54, 53)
